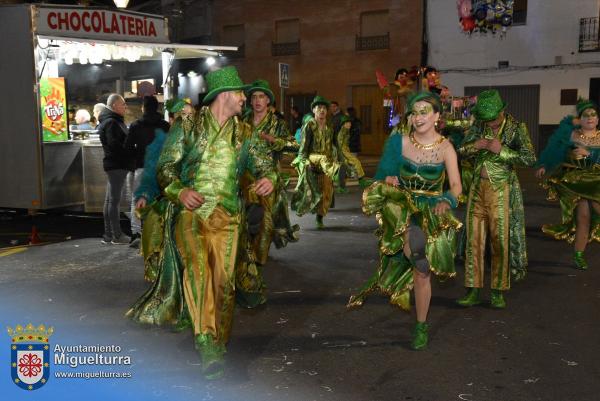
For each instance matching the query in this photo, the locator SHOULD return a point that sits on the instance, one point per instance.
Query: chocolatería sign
(100, 24)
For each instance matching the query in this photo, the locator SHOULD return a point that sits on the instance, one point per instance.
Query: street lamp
(121, 3)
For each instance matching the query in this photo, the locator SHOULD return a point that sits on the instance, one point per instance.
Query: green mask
(422, 110)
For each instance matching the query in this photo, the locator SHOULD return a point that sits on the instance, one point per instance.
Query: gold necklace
(593, 136)
(422, 146)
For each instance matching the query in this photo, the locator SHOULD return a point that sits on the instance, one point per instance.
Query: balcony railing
(589, 37)
(373, 42)
(285, 49)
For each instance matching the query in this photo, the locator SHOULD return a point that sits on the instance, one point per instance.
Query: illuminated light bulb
(210, 61)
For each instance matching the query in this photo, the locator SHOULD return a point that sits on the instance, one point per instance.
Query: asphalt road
(304, 344)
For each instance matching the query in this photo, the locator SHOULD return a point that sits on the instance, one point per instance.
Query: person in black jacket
(141, 134)
(117, 162)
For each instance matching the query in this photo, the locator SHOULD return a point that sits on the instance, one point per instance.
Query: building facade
(331, 48)
(540, 66)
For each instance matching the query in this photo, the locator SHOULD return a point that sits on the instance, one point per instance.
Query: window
(374, 31)
(235, 35)
(374, 23)
(287, 31)
(520, 12)
(568, 97)
(287, 38)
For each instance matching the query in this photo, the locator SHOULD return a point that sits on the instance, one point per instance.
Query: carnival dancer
(351, 162)
(316, 163)
(572, 161)
(199, 170)
(417, 228)
(268, 216)
(495, 144)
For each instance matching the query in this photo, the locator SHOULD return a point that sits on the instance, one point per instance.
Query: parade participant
(417, 228)
(495, 144)
(268, 216)
(199, 171)
(572, 161)
(150, 206)
(316, 164)
(141, 133)
(351, 162)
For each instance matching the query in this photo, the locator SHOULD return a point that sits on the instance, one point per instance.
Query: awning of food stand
(182, 51)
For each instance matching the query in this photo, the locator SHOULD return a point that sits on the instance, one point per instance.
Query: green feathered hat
(260, 85)
(583, 105)
(489, 105)
(222, 80)
(426, 96)
(319, 100)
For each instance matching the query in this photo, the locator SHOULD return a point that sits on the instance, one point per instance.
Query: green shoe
(497, 300)
(212, 355)
(472, 298)
(580, 262)
(364, 182)
(183, 324)
(320, 224)
(420, 337)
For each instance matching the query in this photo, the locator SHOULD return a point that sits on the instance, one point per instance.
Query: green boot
(580, 262)
(420, 337)
(497, 300)
(472, 298)
(320, 224)
(183, 324)
(212, 356)
(364, 182)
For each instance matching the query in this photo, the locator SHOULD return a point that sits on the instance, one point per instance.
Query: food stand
(41, 165)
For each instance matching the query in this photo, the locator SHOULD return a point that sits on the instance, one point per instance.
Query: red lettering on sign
(52, 17)
(151, 30)
(63, 19)
(123, 19)
(139, 27)
(96, 21)
(114, 24)
(130, 26)
(75, 21)
(105, 27)
(85, 21)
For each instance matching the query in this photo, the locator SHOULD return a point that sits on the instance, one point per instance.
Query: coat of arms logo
(30, 355)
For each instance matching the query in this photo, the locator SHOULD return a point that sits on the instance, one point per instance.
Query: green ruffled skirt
(395, 210)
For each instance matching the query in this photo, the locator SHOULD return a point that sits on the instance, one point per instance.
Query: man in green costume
(268, 216)
(317, 164)
(495, 145)
(199, 171)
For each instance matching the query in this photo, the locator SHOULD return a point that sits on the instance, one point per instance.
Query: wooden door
(368, 102)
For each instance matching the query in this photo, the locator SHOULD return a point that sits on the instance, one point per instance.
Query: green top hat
(345, 119)
(222, 80)
(260, 85)
(489, 105)
(583, 105)
(319, 100)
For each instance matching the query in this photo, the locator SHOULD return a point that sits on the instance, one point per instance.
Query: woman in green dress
(572, 161)
(417, 231)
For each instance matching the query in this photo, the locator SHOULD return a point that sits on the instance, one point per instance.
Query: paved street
(304, 344)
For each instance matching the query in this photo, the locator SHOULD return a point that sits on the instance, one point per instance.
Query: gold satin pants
(208, 249)
(488, 212)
